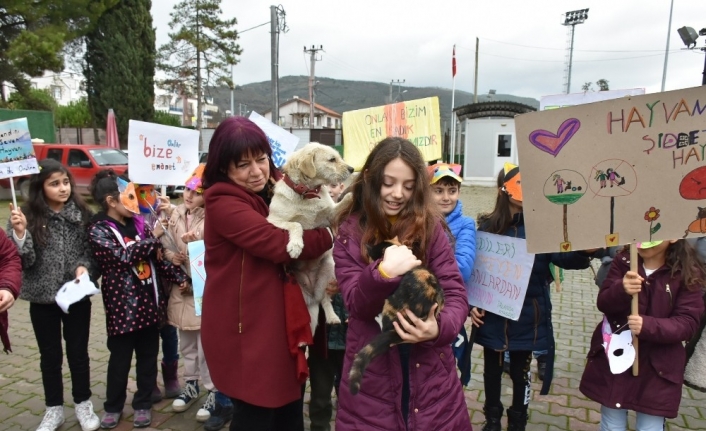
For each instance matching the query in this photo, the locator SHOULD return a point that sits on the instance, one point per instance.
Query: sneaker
(142, 418)
(86, 417)
(221, 415)
(110, 420)
(53, 419)
(188, 395)
(207, 408)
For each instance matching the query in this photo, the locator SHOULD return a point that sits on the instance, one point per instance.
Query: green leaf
(655, 228)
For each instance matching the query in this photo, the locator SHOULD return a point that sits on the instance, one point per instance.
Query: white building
(64, 87)
(175, 104)
(294, 113)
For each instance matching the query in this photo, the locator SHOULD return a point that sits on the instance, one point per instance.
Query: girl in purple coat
(668, 280)
(414, 385)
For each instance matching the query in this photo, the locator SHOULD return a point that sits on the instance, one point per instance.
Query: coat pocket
(669, 362)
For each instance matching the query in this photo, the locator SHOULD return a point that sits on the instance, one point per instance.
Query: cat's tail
(379, 345)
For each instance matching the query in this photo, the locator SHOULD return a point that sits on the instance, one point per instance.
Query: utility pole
(277, 24)
(399, 83)
(571, 19)
(312, 52)
(475, 78)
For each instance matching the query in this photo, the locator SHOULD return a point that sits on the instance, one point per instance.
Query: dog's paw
(295, 247)
(333, 320)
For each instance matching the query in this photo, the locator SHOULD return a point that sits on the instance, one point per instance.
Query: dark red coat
(10, 279)
(243, 320)
(670, 316)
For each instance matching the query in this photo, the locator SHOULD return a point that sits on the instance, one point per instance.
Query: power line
(561, 49)
(576, 61)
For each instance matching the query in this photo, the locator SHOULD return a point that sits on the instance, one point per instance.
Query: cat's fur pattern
(418, 291)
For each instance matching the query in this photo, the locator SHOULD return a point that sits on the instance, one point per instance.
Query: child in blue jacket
(445, 183)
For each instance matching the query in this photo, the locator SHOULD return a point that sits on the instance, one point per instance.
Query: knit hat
(439, 170)
(195, 181)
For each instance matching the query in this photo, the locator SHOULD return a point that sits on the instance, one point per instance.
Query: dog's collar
(301, 189)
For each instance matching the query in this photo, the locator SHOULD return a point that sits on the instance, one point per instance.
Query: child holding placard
(533, 330)
(130, 258)
(668, 282)
(50, 234)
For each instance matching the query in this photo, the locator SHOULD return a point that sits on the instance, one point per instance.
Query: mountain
(341, 95)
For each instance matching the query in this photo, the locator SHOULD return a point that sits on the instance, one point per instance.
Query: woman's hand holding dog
(419, 330)
(397, 260)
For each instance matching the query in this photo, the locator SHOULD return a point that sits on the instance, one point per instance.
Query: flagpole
(453, 120)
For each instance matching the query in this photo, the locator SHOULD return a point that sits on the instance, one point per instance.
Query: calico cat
(418, 291)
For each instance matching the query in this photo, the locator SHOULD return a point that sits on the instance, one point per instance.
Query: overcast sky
(523, 46)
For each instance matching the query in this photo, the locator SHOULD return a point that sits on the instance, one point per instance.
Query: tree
(75, 115)
(201, 49)
(33, 99)
(167, 119)
(120, 65)
(33, 35)
(601, 83)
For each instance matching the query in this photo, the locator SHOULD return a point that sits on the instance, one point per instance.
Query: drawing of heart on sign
(552, 143)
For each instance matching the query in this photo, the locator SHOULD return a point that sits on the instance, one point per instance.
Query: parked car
(83, 161)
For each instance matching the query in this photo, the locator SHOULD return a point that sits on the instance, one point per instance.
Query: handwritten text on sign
(282, 142)
(500, 274)
(16, 150)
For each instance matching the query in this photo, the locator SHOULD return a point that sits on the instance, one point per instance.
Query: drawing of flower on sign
(564, 187)
(693, 187)
(651, 216)
(612, 178)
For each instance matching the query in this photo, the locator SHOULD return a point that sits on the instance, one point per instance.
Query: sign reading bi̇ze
(416, 120)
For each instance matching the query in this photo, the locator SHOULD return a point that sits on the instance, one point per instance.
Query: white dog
(301, 201)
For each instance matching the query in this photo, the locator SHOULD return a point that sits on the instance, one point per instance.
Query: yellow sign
(416, 120)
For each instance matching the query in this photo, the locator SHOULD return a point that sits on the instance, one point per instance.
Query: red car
(83, 161)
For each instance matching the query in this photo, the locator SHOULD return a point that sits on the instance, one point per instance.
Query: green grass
(564, 198)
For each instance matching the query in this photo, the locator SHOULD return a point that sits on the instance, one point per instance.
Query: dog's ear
(307, 166)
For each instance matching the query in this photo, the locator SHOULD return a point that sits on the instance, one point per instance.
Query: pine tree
(201, 50)
(120, 65)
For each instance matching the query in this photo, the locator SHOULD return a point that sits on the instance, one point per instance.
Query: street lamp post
(688, 36)
(572, 18)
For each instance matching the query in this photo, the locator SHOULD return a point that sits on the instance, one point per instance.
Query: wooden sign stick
(634, 309)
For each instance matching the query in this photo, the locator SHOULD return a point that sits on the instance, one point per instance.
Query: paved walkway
(575, 317)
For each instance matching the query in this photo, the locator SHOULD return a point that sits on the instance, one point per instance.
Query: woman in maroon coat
(669, 281)
(244, 332)
(10, 282)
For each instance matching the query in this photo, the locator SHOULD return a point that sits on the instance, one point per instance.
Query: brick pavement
(575, 317)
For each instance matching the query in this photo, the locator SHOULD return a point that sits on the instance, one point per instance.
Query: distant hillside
(342, 96)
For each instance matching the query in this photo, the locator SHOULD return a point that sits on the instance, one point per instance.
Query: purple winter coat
(670, 315)
(436, 396)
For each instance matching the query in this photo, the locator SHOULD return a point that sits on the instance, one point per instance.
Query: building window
(328, 122)
(504, 145)
(56, 92)
(337, 123)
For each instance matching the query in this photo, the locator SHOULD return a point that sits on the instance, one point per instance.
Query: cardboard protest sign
(161, 154)
(197, 253)
(416, 120)
(282, 142)
(614, 172)
(500, 274)
(16, 151)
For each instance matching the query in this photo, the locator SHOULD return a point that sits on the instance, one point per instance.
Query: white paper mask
(618, 348)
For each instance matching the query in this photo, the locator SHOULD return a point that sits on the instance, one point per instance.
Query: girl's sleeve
(612, 298)
(442, 264)
(571, 260)
(239, 223)
(10, 266)
(26, 249)
(683, 322)
(165, 268)
(106, 248)
(86, 258)
(364, 289)
(466, 248)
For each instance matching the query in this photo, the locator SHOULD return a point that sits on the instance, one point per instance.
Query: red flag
(453, 63)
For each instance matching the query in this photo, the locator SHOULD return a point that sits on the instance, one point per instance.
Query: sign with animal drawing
(161, 154)
(16, 151)
(500, 274)
(615, 172)
(282, 142)
(417, 120)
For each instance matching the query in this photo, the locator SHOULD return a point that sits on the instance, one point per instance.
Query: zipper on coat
(240, 296)
(670, 295)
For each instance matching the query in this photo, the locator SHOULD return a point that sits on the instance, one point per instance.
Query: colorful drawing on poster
(564, 187)
(610, 179)
(693, 187)
(551, 142)
(651, 215)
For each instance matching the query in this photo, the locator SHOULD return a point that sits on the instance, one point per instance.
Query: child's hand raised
(18, 221)
(397, 260)
(632, 283)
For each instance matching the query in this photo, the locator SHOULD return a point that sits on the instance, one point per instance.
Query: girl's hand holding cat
(397, 260)
(632, 282)
(419, 330)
